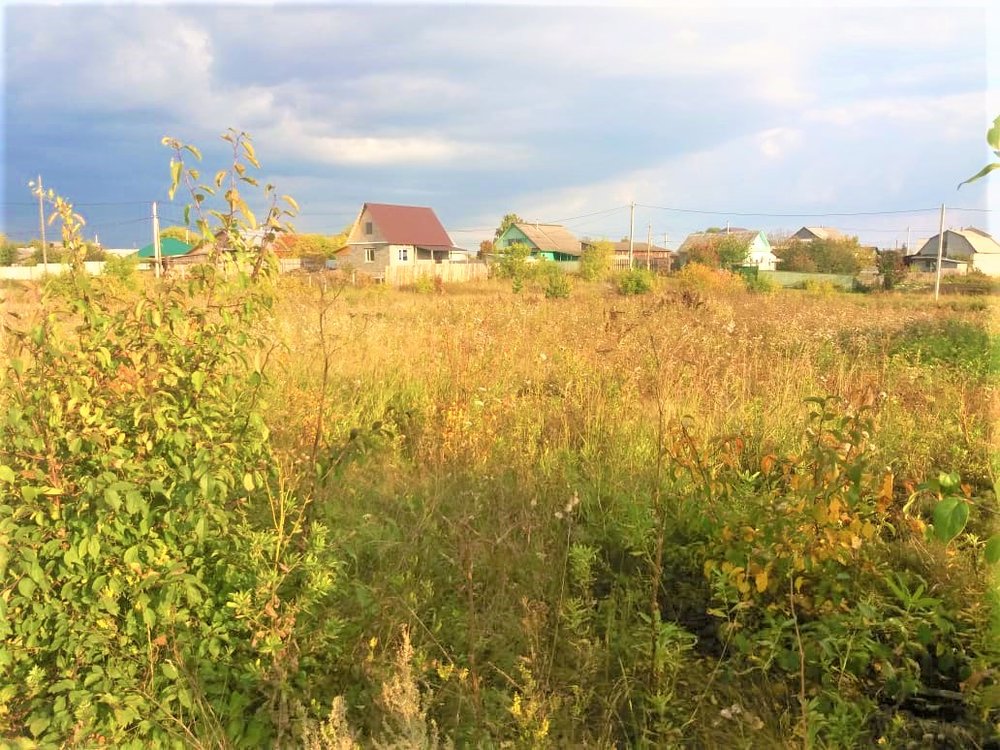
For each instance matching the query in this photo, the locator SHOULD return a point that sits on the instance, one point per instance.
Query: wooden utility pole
(649, 241)
(156, 242)
(937, 278)
(41, 226)
(631, 233)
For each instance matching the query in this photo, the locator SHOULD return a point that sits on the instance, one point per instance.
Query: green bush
(636, 281)
(556, 285)
(123, 270)
(761, 284)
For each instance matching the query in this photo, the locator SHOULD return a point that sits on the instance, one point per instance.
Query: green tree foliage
(183, 234)
(512, 263)
(724, 251)
(505, 223)
(825, 256)
(310, 245)
(595, 260)
(891, 268)
(158, 575)
(8, 251)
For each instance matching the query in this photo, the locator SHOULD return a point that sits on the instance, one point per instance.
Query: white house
(758, 247)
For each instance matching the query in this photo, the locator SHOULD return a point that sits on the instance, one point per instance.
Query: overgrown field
(306, 515)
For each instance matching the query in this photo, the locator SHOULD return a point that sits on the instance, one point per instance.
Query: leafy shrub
(698, 277)
(595, 260)
(556, 284)
(636, 281)
(122, 269)
(164, 585)
(819, 288)
(761, 284)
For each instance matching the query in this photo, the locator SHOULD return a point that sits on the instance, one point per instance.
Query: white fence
(447, 272)
(33, 273)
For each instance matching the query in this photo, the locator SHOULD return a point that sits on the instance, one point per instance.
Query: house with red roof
(388, 236)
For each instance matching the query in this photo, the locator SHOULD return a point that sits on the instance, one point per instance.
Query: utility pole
(41, 227)
(908, 251)
(631, 233)
(649, 241)
(937, 278)
(156, 242)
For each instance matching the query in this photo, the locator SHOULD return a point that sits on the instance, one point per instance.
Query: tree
(595, 260)
(183, 234)
(795, 257)
(732, 252)
(505, 224)
(844, 256)
(723, 251)
(485, 249)
(891, 268)
(512, 263)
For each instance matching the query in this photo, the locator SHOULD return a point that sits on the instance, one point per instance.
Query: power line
(803, 215)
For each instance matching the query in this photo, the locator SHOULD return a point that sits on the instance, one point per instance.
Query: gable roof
(621, 248)
(554, 237)
(821, 233)
(701, 239)
(981, 241)
(408, 225)
(169, 247)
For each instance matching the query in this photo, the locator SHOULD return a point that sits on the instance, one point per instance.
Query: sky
(855, 115)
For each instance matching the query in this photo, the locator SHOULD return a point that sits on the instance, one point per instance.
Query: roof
(980, 241)
(169, 247)
(551, 237)
(823, 233)
(621, 248)
(408, 225)
(701, 239)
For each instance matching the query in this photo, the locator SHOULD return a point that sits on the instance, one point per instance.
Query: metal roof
(408, 225)
(551, 237)
(169, 247)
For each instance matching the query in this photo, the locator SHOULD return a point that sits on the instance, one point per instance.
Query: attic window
(368, 227)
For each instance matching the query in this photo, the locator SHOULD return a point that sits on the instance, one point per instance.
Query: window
(368, 227)
(404, 254)
(369, 255)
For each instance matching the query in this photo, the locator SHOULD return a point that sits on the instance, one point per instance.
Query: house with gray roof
(758, 247)
(808, 234)
(963, 250)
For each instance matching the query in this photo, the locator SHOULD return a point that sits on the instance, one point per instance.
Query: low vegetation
(258, 511)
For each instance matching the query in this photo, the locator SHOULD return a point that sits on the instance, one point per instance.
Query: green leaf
(169, 670)
(248, 482)
(981, 173)
(992, 550)
(6, 474)
(993, 135)
(175, 177)
(950, 517)
(197, 380)
(39, 725)
(26, 587)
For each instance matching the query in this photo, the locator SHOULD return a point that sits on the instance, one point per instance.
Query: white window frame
(369, 255)
(403, 254)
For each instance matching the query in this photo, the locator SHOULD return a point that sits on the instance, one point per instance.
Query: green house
(169, 248)
(547, 241)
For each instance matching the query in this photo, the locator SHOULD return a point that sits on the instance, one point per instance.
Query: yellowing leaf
(761, 581)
